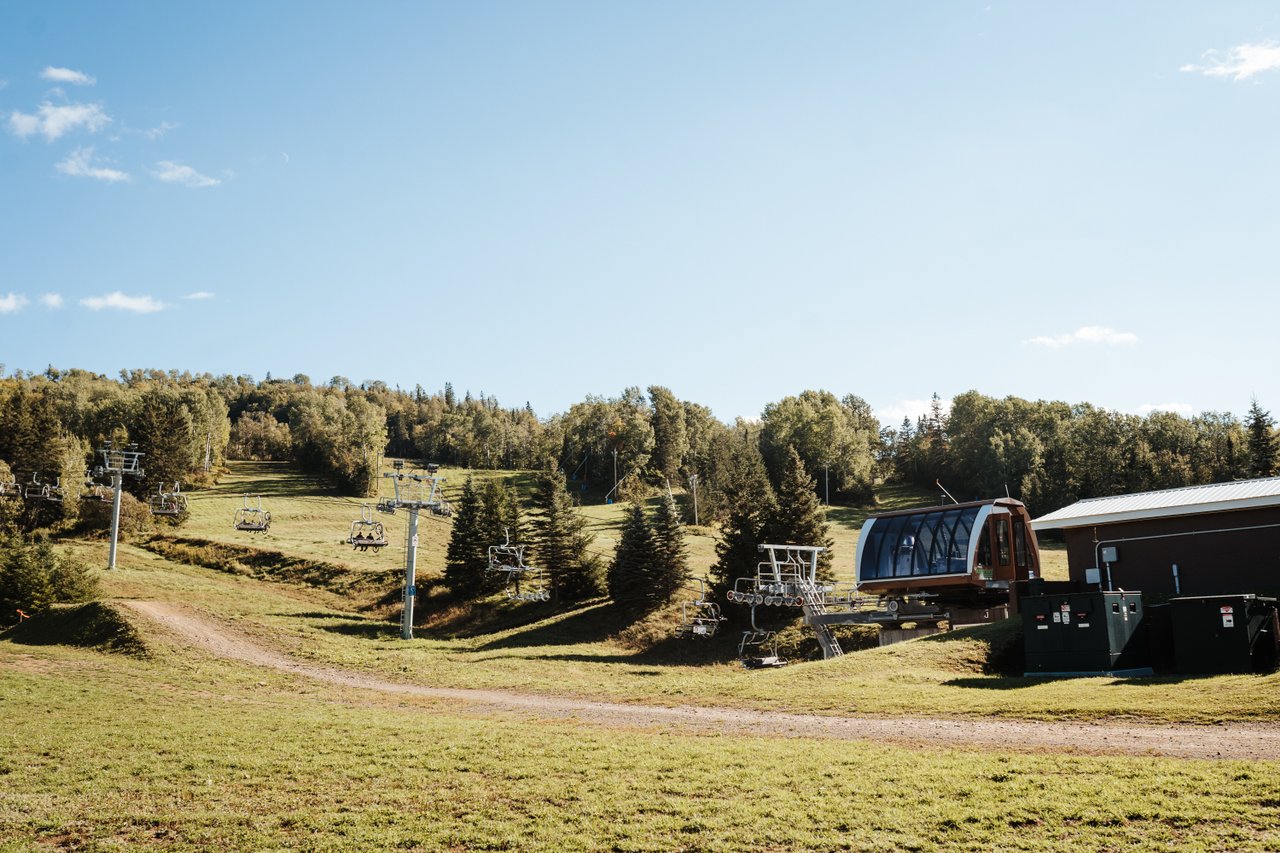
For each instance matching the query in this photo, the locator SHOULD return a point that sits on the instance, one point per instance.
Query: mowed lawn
(186, 752)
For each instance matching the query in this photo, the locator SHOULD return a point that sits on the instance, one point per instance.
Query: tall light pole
(693, 484)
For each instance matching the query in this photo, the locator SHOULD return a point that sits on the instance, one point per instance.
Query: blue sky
(737, 200)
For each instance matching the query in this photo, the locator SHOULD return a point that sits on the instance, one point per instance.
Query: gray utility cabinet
(1217, 634)
(1084, 633)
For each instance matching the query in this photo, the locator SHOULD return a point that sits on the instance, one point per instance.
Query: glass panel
(1002, 540)
(1020, 542)
(919, 545)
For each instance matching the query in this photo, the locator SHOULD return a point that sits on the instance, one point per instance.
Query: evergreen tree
(467, 555)
(628, 574)
(670, 557)
(561, 541)
(749, 504)
(1262, 441)
(799, 518)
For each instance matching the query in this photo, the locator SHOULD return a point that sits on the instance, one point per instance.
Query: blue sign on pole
(413, 590)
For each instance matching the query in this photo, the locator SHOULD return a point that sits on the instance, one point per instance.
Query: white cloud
(79, 164)
(53, 121)
(176, 173)
(892, 415)
(160, 130)
(199, 294)
(1176, 408)
(120, 302)
(1086, 335)
(66, 75)
(52, 301)
(12, 303)
(1241, 62)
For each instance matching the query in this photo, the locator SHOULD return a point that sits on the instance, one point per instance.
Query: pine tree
(749, 504)
(799, 518)
(1262, 441)
(467, 555)
(671, 564)
(561, 542)
(628, 574)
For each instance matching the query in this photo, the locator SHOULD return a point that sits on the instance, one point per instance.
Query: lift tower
(119, 463)
(414, 491)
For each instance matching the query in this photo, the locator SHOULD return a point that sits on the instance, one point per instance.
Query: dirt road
(1251, 741)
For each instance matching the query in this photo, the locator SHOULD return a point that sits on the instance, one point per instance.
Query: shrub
(33, 576)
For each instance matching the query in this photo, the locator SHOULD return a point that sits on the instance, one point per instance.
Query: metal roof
(1189, 500)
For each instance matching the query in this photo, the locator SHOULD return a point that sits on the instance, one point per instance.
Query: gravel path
(1251, 741)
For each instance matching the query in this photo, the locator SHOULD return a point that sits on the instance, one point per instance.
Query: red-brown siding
(1232, 560)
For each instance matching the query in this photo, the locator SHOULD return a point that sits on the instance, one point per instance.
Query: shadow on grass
(589, 624)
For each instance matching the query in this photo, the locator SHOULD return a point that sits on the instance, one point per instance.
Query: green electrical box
(1085, 633)
(1219, 634)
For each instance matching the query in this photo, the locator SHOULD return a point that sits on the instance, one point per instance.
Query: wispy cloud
(120, 302)
(12, 303)
(52, 301)
(177, 173)
(892, 414)
(79, 164)
(1176, 408)
(199, 294)
(160, 130)
(66, 75)
(1085, 335)
(1241, 62)
(53, 121)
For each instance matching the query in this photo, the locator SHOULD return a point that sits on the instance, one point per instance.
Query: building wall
(1209, 563)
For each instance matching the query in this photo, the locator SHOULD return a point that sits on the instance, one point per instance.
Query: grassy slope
(192, 753)
(577, 652)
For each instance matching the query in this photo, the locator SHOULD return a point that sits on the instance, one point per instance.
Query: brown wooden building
(1222, 538)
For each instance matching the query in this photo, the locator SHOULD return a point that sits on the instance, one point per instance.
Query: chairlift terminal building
(1218, 539)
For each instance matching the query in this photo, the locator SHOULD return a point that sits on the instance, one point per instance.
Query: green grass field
(101, 750)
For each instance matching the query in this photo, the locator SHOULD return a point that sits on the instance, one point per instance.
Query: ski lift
(699, 617)
(386, 505)
(252, 518)
(759, 649)
(93, 490)
(55, 493)
(172, 503)
(443, 509)
(35, 490)
(367, 533)
(10, 488)
(509, 558)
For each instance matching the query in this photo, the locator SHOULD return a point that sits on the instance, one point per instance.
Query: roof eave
(1050, 523)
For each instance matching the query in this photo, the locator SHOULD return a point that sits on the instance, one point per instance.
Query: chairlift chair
(252, 518)
(164, 503)
(524, 583)
(759, 649)
(35, 490)
(10, 488)
(699, 617)
(367, 533)
(55, 493)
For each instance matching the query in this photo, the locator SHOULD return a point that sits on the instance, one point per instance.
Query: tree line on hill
(1046, 453)
(1050, 454)
(649, 564)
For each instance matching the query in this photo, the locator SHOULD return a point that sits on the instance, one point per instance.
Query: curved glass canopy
(931, 542)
